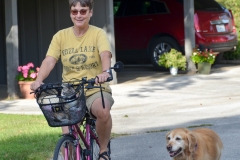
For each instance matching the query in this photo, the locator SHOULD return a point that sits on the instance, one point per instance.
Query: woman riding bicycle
(85, 51)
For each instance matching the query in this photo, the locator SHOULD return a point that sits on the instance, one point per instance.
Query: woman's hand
(101, 78)
(35, 85)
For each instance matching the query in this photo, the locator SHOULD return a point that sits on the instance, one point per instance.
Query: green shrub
(234, 5)
(173, 59)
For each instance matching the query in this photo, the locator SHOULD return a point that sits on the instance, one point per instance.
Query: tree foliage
(234, 6)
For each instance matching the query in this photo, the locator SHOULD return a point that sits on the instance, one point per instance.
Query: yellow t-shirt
(80, 56)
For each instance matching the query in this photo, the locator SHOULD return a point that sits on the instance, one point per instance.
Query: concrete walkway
(184, 100)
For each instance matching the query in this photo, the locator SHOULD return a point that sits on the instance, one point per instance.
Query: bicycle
(64, 104)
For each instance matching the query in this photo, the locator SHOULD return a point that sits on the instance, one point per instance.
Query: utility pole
(189, 34)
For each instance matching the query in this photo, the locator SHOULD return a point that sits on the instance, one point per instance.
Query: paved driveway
(160, 102)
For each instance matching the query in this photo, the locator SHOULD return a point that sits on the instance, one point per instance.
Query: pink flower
(30, 65)
(19, 68)
(25, 74)
(33, 75)
(25, 68)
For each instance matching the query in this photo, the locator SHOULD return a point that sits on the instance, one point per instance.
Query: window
(148, 7)
(207, 5)
(133, 8)
(160, 7)
(116, 6)
(139, 7)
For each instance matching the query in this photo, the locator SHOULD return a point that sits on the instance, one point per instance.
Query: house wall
(38, 21)
(103, 17)
(3, 79)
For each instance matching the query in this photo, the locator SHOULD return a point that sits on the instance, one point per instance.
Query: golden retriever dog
(197, 144)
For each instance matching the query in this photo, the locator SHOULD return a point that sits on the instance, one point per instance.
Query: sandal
(104, 155)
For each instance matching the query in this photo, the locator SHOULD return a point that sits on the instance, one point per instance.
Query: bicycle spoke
(65, 147)
(94, 150)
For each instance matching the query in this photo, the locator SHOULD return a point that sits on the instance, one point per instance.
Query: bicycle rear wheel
(95, 149)
(65, 146)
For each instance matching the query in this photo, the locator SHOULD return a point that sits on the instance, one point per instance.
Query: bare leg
(65, 130)
(103, 122)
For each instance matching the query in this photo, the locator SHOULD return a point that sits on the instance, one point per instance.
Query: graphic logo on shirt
(78, 59)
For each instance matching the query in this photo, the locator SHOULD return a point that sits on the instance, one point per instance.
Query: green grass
(201, 125)
(163, 130)
(26, 137)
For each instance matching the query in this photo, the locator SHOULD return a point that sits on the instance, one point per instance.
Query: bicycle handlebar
(90, 82)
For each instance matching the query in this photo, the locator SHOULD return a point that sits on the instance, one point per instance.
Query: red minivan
(145, 29)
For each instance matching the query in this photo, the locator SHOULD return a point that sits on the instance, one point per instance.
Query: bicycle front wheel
(95, 149)
(65, 147)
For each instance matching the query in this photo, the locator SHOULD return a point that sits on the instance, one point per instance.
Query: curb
(229, 62)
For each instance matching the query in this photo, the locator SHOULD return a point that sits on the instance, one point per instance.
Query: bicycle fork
(75, 143)
(85, 139)
(90, 133)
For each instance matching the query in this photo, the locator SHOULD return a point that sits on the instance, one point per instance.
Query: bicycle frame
(78, 134)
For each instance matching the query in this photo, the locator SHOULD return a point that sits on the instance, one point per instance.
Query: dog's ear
(192, 141)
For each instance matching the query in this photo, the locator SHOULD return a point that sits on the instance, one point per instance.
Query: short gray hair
(83, 3)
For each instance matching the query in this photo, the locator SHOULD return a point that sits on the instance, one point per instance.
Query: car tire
(159, 47)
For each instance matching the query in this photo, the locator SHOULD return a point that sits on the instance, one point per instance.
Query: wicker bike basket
(60, 110)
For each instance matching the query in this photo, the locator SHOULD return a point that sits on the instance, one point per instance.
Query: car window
(207, 5)
(133, 8)
(117, 7)
(139, 7)
(160, 7)
(148, 7)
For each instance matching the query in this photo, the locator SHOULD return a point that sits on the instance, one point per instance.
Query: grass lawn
(26, 137)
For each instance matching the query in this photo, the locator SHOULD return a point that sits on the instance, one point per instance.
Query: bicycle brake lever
(91, 87)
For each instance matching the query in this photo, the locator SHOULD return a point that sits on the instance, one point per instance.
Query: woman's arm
(106, 64)
(47, 65)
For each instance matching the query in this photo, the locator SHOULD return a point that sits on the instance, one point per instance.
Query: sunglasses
(82, 12)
